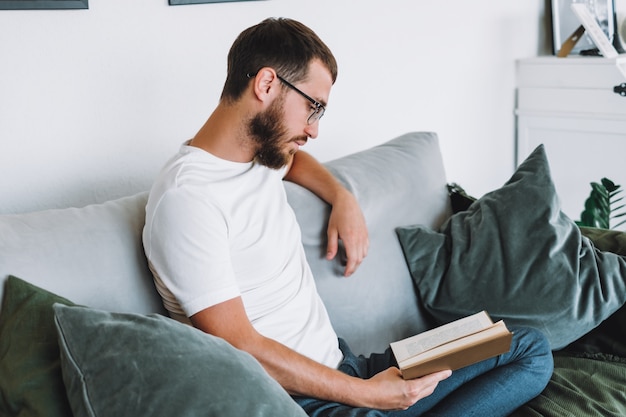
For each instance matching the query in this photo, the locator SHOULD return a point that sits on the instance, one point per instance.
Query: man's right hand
(391, 392)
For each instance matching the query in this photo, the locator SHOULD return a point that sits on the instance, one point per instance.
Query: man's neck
(224, 134)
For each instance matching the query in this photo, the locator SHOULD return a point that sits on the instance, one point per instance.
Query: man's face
(282, 128)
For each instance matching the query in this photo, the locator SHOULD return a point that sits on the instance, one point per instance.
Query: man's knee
(533, 349)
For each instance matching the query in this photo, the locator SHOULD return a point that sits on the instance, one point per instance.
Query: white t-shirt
(217, 229)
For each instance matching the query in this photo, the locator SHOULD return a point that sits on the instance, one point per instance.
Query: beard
(270, 136)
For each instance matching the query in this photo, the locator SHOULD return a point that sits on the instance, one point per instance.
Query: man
(225, 250)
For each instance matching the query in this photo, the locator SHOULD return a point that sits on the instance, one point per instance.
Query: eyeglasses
(318, 108)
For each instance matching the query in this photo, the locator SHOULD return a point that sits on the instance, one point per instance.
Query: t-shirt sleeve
(188, 250)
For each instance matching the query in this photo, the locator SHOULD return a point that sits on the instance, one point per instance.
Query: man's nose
(312, 129)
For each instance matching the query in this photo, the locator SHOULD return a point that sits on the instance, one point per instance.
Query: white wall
(93, 101)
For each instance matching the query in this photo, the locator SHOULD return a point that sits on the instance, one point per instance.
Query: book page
(456, 345)
(476, 347)
(430, 339)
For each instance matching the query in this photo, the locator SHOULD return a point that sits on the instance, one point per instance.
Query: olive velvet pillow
(30, 368)
(148, 365)
(516, 255)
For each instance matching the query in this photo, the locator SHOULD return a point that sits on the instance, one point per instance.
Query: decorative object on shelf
(595, 31)
(600, 207)
(571, 42)
(620, 25)
(43, 4)
(565, 24)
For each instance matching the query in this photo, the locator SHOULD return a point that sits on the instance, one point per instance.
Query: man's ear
(266, 84)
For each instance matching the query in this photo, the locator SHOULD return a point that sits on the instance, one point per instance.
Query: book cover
(452, 346)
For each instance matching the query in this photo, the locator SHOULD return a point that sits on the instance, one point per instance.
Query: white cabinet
(569, 105)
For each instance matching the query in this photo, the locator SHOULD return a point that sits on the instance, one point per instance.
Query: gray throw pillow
(134, 365)
(516, 255)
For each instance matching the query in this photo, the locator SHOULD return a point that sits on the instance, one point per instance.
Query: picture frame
(595, 31)
(565, 23)
(43, 4)
(183, 2)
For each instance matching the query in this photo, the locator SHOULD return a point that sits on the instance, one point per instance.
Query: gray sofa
(93, 256)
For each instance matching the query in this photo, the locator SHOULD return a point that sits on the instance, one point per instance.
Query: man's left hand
(347, 223)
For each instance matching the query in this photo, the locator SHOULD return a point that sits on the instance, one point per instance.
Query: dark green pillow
(581, 385)
(133, 365)
(30, 369)
(516, 255)
(608, 337)
(606, 240)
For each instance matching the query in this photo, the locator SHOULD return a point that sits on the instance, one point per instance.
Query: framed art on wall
(179, 2)
(43, 4)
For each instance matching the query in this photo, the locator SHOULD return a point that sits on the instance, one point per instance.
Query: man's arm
(300, 375)
(346, 218)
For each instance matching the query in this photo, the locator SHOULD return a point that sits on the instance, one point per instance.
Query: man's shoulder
(189, 183)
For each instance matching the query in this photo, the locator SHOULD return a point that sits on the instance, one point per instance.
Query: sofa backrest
(401, 182)
(94, 255)
(91, 255)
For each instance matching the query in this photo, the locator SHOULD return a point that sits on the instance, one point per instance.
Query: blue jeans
(491, 388)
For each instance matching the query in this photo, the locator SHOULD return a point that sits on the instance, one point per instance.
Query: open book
(452, 346)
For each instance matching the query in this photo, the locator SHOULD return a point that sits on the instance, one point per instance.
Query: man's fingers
(333, 244)
(355, 254)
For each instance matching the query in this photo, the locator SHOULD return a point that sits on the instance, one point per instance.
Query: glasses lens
(316, 115)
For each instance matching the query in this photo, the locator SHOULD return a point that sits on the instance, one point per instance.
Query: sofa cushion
(30, 367)
(606, 240)
(92, 255)
(516, 255)
(581, 385)
(132, 365)
(397, 183)
(608, 337)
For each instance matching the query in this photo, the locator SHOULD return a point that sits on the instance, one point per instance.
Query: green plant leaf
(601, 205)
(609, 185)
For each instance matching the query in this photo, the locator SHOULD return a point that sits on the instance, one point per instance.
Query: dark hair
(284, 44)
